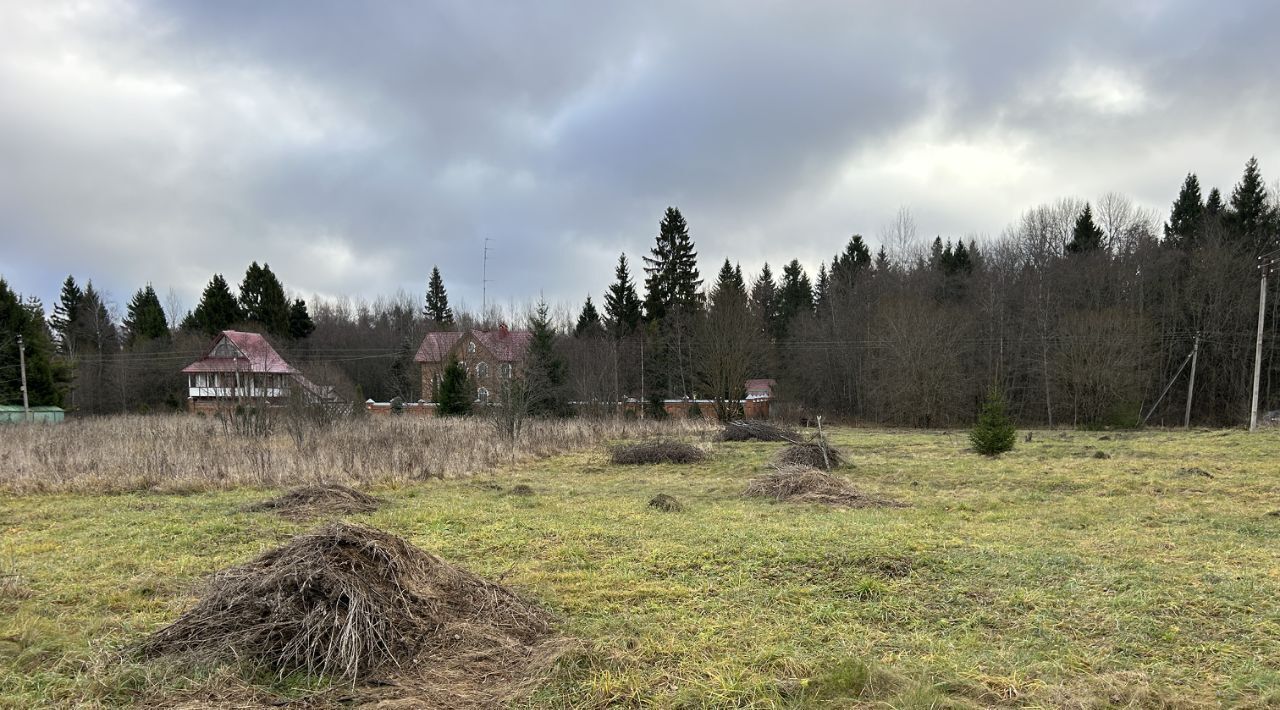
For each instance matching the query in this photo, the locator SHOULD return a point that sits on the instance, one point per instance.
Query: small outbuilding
(13, 414)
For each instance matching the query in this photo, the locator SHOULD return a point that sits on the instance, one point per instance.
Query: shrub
(994, 432)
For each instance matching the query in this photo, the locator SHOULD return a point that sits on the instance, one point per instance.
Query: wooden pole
(1191, 386)
(1257, 349)
(22, 366)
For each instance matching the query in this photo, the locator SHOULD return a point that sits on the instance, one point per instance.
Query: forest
(1083, 313)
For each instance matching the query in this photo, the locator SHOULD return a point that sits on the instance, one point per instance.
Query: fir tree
(882, 261)
(300, 323)
(456, 393)
(822, 289)
(262, 300)
(145, 319)
(1213, 204)
(994, 433)
(935, 254)
(1086, 237)
(795, 296)
(1251, 217)
(764, 302)
(621, 303)
(545, 370)
(217, 311)
(94, 330)
(437, 308)
(589, 325)
(64, 314)
(46, 376)
(672, 268)
(1186, 216)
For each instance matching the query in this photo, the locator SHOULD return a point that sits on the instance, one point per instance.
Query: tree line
(1081, 313)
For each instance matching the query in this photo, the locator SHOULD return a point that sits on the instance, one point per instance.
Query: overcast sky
(354, 145)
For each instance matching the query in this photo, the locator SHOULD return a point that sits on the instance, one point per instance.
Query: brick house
(491, 357)
(241, 367)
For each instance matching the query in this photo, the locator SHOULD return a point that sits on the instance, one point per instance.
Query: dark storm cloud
(352, 147)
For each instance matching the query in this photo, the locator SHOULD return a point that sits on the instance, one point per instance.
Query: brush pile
(804, 484)
(350, 601)
(756, 430)
(325, 499)
(665, 503)
(657, 451)
(813, 454)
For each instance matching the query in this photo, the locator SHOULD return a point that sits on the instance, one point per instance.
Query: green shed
(12, 413)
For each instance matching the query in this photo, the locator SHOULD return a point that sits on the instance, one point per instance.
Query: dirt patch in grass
(1194, 471)
(522, 490)
(811, 455)
(808, 485)
(318, 501)
(756, 431)
(665, 503)
(657, 451)
(353, 602)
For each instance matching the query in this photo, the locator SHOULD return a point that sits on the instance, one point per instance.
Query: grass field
(1048, 577)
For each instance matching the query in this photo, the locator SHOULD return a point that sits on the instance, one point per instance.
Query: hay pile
(657, 451)
(325, 499)
(756, 430)
(810, 454)
(809, 485)
(351, 601)
(665, 503)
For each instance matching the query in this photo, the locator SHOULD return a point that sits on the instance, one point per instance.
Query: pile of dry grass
(352, 601)
(324, 499)
(813, 454)
(809, 485)
(665, 503)
(756, 430)
(656, 451)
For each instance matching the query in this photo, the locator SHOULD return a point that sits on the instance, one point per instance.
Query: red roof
(252, 353)
(506, 345)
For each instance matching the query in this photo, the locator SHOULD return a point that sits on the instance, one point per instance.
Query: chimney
(502, 330)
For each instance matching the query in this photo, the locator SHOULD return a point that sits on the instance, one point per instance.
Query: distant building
(760, 389)
(491, 357)
(13, 414)
(243, 367)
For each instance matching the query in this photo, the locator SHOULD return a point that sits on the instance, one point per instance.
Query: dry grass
(354, 602)
(809, 485)
(656, 451)
(184, 453)
(313, 501)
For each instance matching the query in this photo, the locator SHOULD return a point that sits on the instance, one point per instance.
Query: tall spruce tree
(145, 319)
(64, 314)
(1251, 220)
(300, 323)
(621, 303)
(46, 376)
(795, 297)
(437, 308)
(589, 324)
(764, 302)
(672, 267)
(262, 300)
(1087, 236)
(1213, 205)
(545, 371)
(729, 343)
(455, 393)
(1186, 217)
(217, 311)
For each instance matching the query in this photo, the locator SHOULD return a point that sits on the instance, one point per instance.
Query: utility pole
(1265, 265)
(484, 279)
(1191, 386)
(22, 366)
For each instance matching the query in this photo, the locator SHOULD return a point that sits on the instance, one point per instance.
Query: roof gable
(235, 351)
(503, 345)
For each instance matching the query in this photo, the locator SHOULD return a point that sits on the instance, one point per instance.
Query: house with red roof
(491, 357)
(243, 367)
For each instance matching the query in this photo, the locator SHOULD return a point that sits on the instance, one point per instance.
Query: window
(471, 348)
(482, 370)
(224, 348)
(482, 395)
(505, 370)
